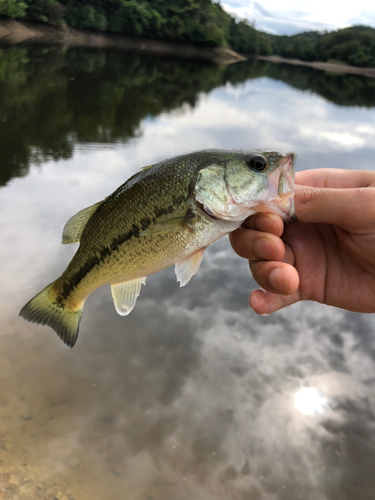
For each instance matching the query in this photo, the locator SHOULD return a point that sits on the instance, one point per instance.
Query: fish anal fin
(125, 295)
(76, 224)
(166, 226)
(188, 267)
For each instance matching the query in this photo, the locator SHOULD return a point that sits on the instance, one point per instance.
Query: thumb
(352, 209)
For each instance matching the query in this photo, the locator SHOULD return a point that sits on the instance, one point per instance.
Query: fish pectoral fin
(76, 224)
(188, 267)
(125, 295)
(166, 226)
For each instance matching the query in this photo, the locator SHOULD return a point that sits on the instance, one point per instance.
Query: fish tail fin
(46, 309)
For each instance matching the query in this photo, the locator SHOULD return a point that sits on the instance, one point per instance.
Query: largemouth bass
(166, 214)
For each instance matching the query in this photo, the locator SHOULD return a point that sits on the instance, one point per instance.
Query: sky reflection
(192, 395)
(308, 401)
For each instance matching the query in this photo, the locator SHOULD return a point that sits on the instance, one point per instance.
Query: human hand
(327, 256)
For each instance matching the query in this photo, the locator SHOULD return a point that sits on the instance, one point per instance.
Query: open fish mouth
(287, 174)
(281, 190)
(286, 187)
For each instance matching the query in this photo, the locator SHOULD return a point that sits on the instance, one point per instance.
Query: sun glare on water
(308, 401)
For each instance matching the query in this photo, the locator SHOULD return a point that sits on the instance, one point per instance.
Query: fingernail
(253, 306)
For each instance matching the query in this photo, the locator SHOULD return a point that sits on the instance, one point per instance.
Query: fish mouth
(281, 188)
(286, 185)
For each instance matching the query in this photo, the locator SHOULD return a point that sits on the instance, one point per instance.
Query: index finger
(335, 178)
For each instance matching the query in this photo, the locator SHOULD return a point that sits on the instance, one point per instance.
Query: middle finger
(257, 245)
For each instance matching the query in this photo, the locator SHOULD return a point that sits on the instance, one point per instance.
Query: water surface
(192, 396)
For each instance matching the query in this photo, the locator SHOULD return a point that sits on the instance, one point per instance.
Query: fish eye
(257, 162)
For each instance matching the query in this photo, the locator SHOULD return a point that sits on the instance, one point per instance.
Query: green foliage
(13, 8)
(194, 21)
(199, 22)
(47, 11)
(264, 44)
(180, 20)
(85, 15)
(130, 17)
(355, 45)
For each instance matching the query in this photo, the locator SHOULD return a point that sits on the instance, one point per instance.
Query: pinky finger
(264, 303)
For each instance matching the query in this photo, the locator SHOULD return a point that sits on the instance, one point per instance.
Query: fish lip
(286, 166)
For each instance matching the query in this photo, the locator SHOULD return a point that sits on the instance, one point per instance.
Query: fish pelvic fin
(186, 269)
(45, 309)
(76, 224)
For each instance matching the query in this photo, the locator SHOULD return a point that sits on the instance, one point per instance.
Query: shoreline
(14, 32)
(323, 66)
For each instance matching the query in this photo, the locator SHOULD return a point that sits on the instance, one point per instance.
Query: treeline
(198, 22)
(192, 21)
(354, 45)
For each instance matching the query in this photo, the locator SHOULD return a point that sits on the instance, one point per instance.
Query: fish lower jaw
(283, 208)
(230, 216)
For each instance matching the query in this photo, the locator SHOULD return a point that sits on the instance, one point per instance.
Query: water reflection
(51, 100)
(309, 401)
(191, 396)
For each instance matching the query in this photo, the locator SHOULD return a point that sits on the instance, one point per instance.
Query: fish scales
(165, 214)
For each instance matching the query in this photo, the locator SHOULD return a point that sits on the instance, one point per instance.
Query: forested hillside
(354, 45)
(193, 21)
(198, 22)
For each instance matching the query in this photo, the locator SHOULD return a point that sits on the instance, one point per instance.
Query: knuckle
(307, 195)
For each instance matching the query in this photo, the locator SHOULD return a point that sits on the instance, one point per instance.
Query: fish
(166, 214)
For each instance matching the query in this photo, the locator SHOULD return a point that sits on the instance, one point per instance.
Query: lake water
(192, 396)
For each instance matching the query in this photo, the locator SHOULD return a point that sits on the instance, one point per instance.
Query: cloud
(295, 16)
(237, 3)
(262, 10)
(290, 27)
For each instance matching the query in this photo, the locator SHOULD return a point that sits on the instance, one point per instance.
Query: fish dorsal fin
(125, 295)
(76, 224)
(188, 267)
(146, 168)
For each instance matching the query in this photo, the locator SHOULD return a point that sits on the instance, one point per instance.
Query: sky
(295, 16)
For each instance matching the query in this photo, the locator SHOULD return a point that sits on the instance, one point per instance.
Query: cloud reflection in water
(192, 395)
(308, 401)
